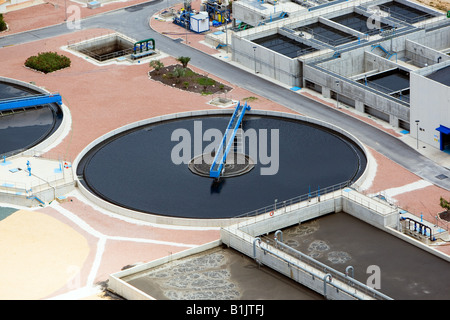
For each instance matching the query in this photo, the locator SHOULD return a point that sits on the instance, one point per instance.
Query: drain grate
(441, 177)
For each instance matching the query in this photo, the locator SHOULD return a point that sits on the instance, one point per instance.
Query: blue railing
(29, 101)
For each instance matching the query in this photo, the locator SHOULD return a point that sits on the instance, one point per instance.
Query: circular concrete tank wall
(23, 129)
(138, 170)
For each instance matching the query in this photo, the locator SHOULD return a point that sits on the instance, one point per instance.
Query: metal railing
(77, 45)
(346, 278)
(320, 194)
(397, 94)
(360, 85)
(29, 184)
(37, 185)
(332, 42)
(107, 56)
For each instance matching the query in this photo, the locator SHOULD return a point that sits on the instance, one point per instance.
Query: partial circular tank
(24, 129)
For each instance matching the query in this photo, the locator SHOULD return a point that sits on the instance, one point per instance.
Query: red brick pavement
(103, 98)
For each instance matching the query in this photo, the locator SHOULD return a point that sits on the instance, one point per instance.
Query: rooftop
(441, 76)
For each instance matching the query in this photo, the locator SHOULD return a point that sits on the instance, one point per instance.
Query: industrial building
(374, 56)
(430, 114)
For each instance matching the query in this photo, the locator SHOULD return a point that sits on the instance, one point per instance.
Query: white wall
(430, 104)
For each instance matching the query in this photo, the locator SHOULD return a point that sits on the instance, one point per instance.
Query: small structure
(183, 19)
(217, 11)
(145, 47)
(200, 22)
(93, 4)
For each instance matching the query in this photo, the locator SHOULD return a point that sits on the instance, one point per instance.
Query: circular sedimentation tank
(146, 169)
(23, 129)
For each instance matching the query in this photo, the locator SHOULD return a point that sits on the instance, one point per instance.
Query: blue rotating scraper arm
(227, 140)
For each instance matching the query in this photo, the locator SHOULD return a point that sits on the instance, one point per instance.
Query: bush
(48, 62)
(157, 65)
(179, 72)
(3, 25)
(205, 82)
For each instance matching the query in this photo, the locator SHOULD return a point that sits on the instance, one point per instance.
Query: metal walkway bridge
(228, 139)
(29, 101)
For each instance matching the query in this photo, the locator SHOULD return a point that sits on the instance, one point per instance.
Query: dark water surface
(340, 240)
(24, 129)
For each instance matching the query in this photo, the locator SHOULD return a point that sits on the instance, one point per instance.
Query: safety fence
(89, 46)
(402, 94)
(318, 196)
(35, 175)
(36, 184)
(439, 227)
(299, 267)
(347, 278)
(294, 203)
(385, 211)
(362, 86)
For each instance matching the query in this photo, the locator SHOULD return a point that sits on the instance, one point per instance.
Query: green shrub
(47, 62)
(3, 25)
(179, 72)
(205, 82)
(157, 65)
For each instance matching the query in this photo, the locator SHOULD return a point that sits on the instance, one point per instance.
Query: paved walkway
(64, 249)
(53, 12)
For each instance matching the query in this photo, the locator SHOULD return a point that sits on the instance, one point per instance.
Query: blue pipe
(39, 200)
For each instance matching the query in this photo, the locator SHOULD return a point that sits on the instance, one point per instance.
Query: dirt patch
(443, 5)
(185, 79)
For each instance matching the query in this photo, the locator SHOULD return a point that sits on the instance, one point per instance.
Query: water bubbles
(338, 257)
(197, 278)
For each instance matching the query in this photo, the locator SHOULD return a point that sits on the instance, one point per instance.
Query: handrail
(29, 101)
(106, 56)
(336, 274)
(236, 119)
(294, 200)
(351, 82)
(329, 272)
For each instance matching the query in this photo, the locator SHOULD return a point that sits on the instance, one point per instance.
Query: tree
(157, 65)
(184, 61)
(3, 25)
